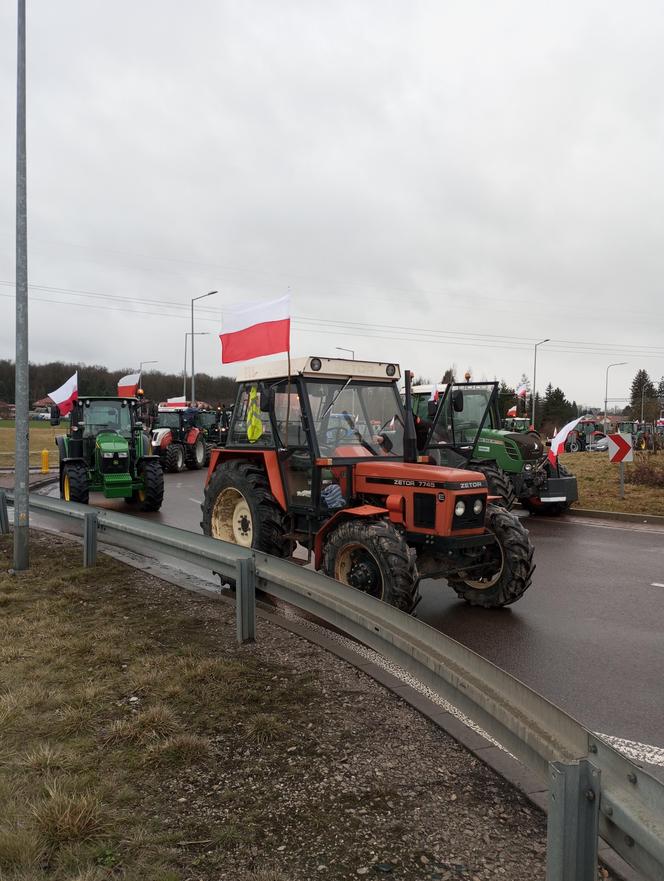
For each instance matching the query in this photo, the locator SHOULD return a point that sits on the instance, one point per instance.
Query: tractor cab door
(293, 444)
(464, 411)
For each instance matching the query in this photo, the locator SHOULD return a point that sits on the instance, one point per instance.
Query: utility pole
(606, 387)
(193, 369)
(184, 371)
(541, 342)
(22, 478)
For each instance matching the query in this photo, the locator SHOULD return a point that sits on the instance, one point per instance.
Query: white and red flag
(65, 396)
(174, 403)
(254, 331)
(522, 391)
(559, 438)
(128, 385)
(512, 411)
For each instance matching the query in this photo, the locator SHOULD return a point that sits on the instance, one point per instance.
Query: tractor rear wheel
(74, 484)
(373, 557)
(195, 455)
(174, 458)
(551, 509)
(498, 481)
(238, 507)
(151, 496)
(509, 564)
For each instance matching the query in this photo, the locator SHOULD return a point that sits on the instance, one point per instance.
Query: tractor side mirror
(431, 409)
(55, 415)
(457, 401)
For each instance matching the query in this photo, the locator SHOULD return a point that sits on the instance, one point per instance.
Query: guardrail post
(572, 829)
(90, 539)
(4, 517)
(245, 600)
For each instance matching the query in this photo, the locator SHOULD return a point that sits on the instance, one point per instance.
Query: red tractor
(176, 439)
(327, 458)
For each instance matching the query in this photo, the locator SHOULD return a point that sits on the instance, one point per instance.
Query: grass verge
(599, 483)
(42, 437)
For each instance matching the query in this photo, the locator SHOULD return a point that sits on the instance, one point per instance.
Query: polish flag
(559, 438)
(522, 391)
(512, 411)
(129, 385)
(66, 395)
(174, 402)
(256, 330)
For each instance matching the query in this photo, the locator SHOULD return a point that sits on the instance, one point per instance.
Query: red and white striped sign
(620, 448)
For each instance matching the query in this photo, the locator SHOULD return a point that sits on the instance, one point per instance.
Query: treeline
(97, 380)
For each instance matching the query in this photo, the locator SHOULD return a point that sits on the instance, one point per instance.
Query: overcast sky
(434, 182)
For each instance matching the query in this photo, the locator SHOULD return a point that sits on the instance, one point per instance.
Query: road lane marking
(639, 752)
(657, 584)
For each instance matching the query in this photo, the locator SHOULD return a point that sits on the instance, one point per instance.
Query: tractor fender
(192, 436)
(162, 437)
(269, 461)
(68, 461)
(339, 517)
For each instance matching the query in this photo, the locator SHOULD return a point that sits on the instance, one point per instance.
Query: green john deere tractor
(515, 463)
(106, 450)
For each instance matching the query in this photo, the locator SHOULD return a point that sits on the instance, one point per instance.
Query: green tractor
(106, 450)
(515, 463)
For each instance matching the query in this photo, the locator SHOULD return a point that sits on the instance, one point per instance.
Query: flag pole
(288, 393)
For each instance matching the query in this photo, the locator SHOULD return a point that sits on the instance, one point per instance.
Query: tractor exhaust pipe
(409, 435)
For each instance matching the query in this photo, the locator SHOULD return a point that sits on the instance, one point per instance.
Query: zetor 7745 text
(326, 457)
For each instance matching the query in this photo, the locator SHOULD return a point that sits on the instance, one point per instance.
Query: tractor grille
(113, 466)
(470, 520)
(424, 510)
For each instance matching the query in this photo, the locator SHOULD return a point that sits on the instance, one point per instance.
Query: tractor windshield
(356, 418)
(168, 420)
(206, 420)
(463, 412)
(98, 416)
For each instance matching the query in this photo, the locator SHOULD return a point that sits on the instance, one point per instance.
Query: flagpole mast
(21, 399)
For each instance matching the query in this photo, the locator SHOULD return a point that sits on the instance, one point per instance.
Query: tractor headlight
(528, 467)
(107, 455)
(477, 506)
(460, 508)
(390, 370)
(122, 455)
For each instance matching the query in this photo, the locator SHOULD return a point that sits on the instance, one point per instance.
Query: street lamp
(184, 371)
(193, 372)
(541, 343)
(606, 388)
(341, 349)
(140, 366)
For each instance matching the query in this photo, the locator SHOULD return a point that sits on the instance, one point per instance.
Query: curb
(495, 758)
(654, 519)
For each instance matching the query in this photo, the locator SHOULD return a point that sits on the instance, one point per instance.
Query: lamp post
(606, 387)
(541, 343)
(193, 370)
(184, 371)
(341, 349)
(140, 366)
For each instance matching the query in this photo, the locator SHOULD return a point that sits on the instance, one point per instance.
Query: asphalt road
(588, 634)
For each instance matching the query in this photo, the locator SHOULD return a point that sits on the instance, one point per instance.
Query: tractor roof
(83, 398)
(427, 389)
(321, 367)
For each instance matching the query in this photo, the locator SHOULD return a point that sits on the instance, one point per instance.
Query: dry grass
(42, 437)
(599, 483)
(110, 700)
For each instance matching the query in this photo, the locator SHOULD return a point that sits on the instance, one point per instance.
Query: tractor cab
(321, 452)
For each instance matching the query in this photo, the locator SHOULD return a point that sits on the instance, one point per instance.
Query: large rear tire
(373, 557)
(509, 564)
(195, 455)
(151, 496)
(238, 507)
(498, 481)
(74, 485)
(549, 509)
(174, 459)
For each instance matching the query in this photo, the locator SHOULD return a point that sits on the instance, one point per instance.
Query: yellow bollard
(44, 458)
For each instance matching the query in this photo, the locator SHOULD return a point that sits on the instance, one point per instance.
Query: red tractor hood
(390, 473)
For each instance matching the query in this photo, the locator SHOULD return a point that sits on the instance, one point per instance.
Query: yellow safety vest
(254, 422)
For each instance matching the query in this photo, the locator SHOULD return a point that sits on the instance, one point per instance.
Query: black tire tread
(153, 484)
(401, 579)
(79, 488)
(498, 481)
(519, 566)
(250, 479)
(171, 459)
(190, 455)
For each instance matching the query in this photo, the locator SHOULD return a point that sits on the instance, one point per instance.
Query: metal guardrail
(591, 785)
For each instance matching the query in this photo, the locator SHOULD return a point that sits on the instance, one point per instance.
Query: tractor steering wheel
(334, 435)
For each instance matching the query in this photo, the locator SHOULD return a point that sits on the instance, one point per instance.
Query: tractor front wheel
(238, 507)
(151, 495)
(508, 566)
(195, 455)
(498, 481)
(371, 556)
(74, 484)
(174, 459)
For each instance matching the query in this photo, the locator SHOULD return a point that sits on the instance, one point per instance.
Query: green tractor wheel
(498, 481)
(74, 483)
(150, 497)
